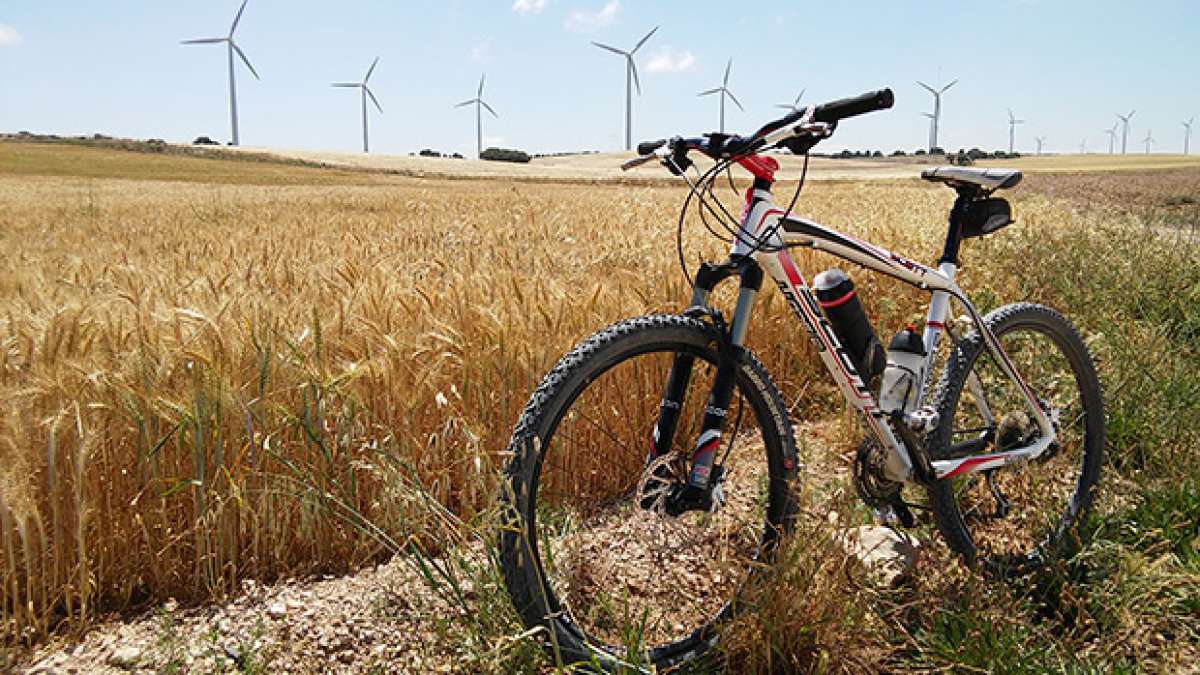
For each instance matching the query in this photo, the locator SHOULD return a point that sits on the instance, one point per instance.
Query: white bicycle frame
(763, 219)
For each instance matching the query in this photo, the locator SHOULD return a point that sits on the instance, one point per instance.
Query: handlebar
(812, 124)
(851, 107)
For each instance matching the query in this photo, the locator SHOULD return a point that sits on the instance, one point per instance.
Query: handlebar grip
(857, 105)
(647, 147)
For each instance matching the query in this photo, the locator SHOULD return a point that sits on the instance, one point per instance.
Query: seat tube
(717, 409)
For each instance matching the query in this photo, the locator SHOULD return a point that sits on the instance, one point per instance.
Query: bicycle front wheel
(587, 552)
(1015, 518)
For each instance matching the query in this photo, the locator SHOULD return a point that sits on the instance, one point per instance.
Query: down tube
(837, 360)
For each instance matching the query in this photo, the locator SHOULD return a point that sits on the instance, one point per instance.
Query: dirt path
(380, 620)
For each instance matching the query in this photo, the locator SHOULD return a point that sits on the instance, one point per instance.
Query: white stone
(887, 554)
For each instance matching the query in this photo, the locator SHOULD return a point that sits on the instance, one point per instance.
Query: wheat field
(213, 370)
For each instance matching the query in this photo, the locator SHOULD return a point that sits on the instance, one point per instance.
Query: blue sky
(117, 67)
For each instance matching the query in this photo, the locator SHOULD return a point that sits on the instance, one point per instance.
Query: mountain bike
(654, 470)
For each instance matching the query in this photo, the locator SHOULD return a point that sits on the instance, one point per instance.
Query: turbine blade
(739, 103)
(643, 40)
(785, 106)
(1010, 115)
(466, 103)
(799, 96)
(725, 82)
(371, 69)
(948, 86)
(489, 108)
(710, 91)
(611, 49)
(636, 83)
(237, 18)
(373, 99)
(244, 59)
(203, 41)
(927, 87)
(345, 84)
(479, 94)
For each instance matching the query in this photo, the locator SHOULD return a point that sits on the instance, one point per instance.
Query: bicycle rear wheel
(614, 578)
(1013, 519)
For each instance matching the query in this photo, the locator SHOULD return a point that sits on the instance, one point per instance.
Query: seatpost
(958, 214)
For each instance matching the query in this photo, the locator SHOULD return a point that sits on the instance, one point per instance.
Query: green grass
(67, 160)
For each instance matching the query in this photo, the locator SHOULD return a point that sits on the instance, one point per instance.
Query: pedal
(896, 513)
(1003, 506)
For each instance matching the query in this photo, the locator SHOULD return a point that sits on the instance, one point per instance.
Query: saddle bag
(985, 216)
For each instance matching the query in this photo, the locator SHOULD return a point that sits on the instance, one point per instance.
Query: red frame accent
(762, 167)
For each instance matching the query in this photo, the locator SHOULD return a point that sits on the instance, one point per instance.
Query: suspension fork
(729, 350)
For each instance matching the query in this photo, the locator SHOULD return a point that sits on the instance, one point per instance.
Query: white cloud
(481, 51)
(582, 20)
(667, 60)
(529, 6)
(9, 36)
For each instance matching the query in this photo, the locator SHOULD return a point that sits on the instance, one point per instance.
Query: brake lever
(638, 161)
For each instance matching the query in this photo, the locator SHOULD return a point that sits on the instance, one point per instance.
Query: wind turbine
(366, 91)
(1039, 141)
(932, 128)
(1112, 137)
(1148, 140)
(1012, 127)
(1187, 134)
(1125, 128)
(231, 48)
(723, 90)
(1083, 146)
(794, 106)
(479, 105)
(630, 76)
(937, 109)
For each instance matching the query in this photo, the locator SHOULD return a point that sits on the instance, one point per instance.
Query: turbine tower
(794, 106)
(937, 109)
(723, 90)
(1148, 140)
(1039, 141)
(1187, 134)
(1112, 137)
(630, 76)
(932, 127)
(231, 47)
(365, 91)
(1083, 146)
(480, 104)
(1125, 128)
(1012, 128)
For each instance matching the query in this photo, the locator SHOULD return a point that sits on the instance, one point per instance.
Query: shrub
(505, 155)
